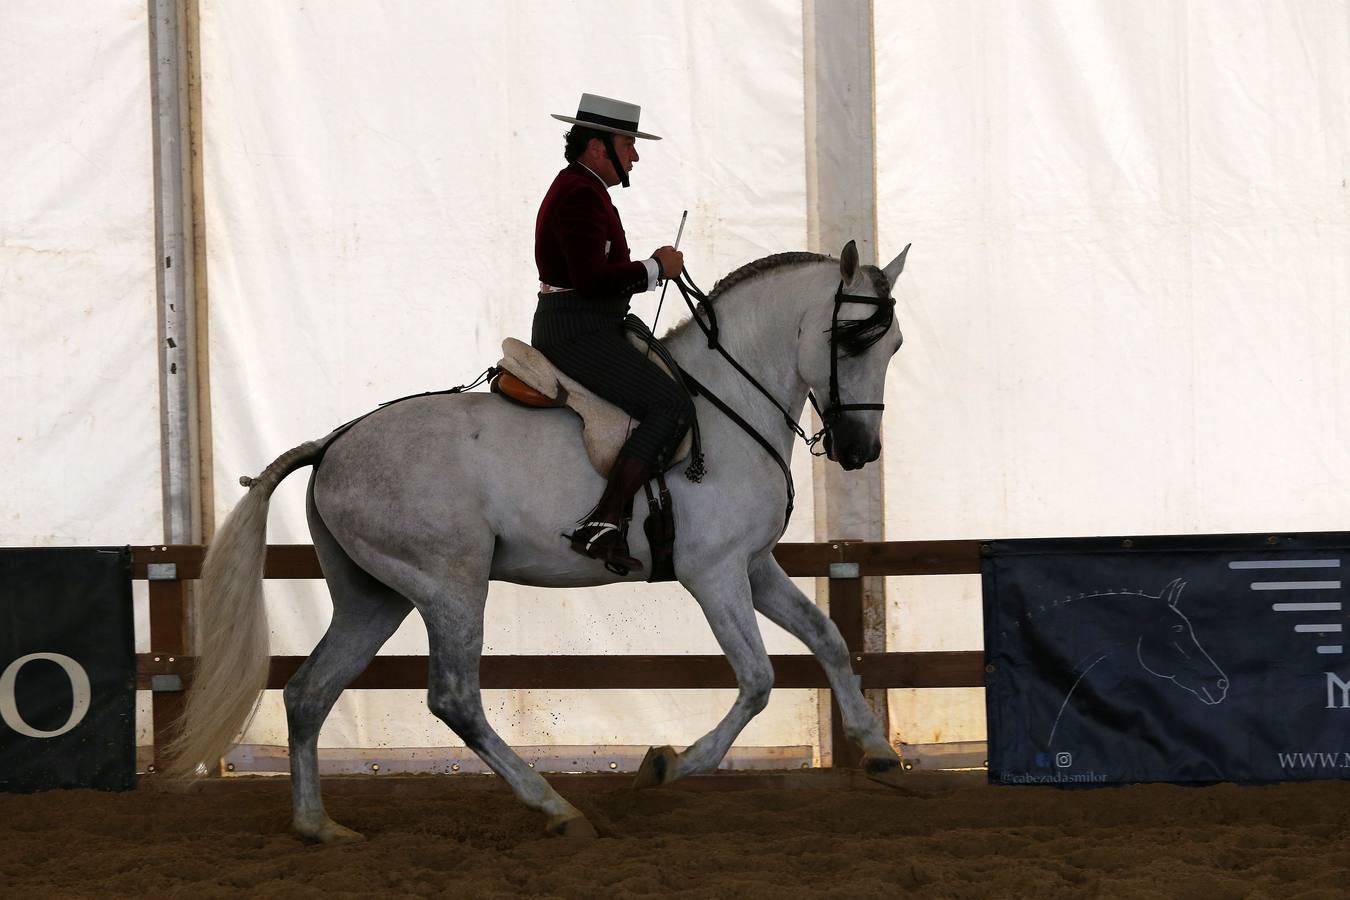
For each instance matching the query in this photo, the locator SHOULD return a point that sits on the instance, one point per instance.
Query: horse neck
(758, 324)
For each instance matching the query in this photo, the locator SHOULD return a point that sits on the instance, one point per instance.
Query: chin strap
(614, 159)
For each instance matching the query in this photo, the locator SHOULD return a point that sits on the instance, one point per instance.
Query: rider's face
(625, 147)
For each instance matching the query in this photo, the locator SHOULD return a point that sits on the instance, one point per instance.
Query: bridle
(853, 336)
(858, 335)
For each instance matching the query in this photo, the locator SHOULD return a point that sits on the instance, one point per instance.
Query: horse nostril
(1223, 683)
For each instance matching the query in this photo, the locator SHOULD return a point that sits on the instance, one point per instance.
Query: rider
(586, 278)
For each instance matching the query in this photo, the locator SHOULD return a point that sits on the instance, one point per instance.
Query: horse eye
(1178, 628)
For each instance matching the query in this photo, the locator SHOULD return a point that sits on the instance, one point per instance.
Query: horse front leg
(724, 595)
(786, 606)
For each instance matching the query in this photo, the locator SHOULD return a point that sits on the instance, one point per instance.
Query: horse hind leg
(724, 596)
(452, 608)
(365, 614)
(787, 607)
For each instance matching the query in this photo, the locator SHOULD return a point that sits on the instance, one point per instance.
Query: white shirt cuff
(653, 272)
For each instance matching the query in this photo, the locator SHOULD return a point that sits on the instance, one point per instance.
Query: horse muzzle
(851, 445)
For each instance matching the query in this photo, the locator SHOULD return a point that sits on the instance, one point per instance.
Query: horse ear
(896, 266)
(848, 262)
(1172, 593)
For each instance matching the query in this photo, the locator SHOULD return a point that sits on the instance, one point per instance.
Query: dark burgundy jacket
(579, 241)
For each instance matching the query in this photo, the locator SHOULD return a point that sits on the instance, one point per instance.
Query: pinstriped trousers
(585, 339)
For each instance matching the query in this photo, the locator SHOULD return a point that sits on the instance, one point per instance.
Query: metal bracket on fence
(161, 571)
(161, 684)
(845, 570)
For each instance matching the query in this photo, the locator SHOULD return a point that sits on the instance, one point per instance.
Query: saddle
(529, 379)
(526, 377)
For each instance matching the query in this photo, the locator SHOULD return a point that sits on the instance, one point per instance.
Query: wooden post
(168, 641)
(846, 611)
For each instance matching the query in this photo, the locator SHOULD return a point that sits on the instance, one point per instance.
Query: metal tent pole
(841, 202)
(180, 447)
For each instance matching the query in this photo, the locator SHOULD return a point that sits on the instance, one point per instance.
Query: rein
(697, 388)
(863, 332)
(696, 300)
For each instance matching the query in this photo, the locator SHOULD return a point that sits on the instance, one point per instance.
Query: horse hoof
(329, 832)
(574, 828)
(892, 772)
(656, 768)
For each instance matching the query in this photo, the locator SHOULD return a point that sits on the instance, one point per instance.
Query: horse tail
(232, 645)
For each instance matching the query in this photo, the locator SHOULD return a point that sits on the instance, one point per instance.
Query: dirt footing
(819, 833)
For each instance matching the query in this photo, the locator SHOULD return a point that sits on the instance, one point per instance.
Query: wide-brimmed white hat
(604, 114)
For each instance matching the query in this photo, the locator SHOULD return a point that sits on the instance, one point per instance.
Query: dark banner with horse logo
(67, 669)
(1184, 659)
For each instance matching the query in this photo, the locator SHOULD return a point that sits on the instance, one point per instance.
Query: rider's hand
(670, 260)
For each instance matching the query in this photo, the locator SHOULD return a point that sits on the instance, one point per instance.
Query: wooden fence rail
(167, 668)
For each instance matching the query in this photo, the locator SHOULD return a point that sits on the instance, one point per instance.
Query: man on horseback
(586, 279)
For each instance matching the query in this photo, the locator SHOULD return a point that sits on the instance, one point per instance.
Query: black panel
(67, 651)
(1184, 659)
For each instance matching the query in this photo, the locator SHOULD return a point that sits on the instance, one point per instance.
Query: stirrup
(606, 542)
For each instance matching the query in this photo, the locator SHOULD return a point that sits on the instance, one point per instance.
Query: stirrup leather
(608, 543)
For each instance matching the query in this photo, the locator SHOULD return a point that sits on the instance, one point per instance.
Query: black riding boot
(603, 534)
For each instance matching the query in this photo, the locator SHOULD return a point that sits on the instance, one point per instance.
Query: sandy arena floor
(815, 834)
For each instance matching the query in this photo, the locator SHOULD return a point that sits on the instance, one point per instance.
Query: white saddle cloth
(604, 426)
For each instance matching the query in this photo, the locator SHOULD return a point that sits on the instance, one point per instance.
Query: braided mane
(764, 264)
(752, 270)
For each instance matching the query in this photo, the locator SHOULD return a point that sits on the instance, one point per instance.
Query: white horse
(425, 501)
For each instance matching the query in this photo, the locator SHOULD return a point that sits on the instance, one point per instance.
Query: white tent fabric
(372, 176)
(79, 388)
(1125, 305)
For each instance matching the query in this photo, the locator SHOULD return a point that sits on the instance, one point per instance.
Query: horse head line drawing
(1159, 650)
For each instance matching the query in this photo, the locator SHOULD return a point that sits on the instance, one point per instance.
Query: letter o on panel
(79, 688)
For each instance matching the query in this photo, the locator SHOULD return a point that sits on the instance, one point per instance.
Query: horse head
(848, 367)
(1167, 648)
